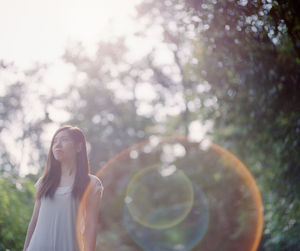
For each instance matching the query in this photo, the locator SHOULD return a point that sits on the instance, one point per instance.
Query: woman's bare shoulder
(94, 178)
(38, 183)
(96, 183)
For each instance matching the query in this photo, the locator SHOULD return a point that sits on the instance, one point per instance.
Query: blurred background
(126, 71)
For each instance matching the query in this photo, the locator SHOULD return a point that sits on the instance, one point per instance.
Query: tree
(246, 53)
(111, 124)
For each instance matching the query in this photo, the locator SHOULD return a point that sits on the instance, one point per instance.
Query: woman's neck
(67, 175)
(68, 169)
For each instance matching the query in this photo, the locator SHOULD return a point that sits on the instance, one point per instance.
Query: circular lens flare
(159, 197)
(182, 236)
(218, 206)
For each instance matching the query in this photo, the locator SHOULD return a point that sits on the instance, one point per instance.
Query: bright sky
(35, 30)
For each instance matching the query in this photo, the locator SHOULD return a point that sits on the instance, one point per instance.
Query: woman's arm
(93, 209)
(32, 223)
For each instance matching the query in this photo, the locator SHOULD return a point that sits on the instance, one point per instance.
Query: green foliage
(16, 205)
(248, 54)
(254, 73)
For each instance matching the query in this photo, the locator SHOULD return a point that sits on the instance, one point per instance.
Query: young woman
(60, 191)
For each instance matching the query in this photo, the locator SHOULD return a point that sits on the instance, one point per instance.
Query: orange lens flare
(225, 209)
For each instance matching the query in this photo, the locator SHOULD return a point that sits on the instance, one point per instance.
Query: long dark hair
(52, 173)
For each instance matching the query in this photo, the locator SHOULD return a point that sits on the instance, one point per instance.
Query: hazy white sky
(35, 30)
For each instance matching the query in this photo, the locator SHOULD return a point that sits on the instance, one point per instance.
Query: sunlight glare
(45, 27)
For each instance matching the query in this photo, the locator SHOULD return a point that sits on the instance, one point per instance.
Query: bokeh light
(159, 197)
(173, 194)
(182, 236)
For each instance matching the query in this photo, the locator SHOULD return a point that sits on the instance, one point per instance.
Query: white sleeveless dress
(56, 224)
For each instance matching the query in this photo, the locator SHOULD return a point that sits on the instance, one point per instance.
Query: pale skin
(64, 150)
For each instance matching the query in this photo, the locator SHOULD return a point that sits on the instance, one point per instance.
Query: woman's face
(64, 148)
